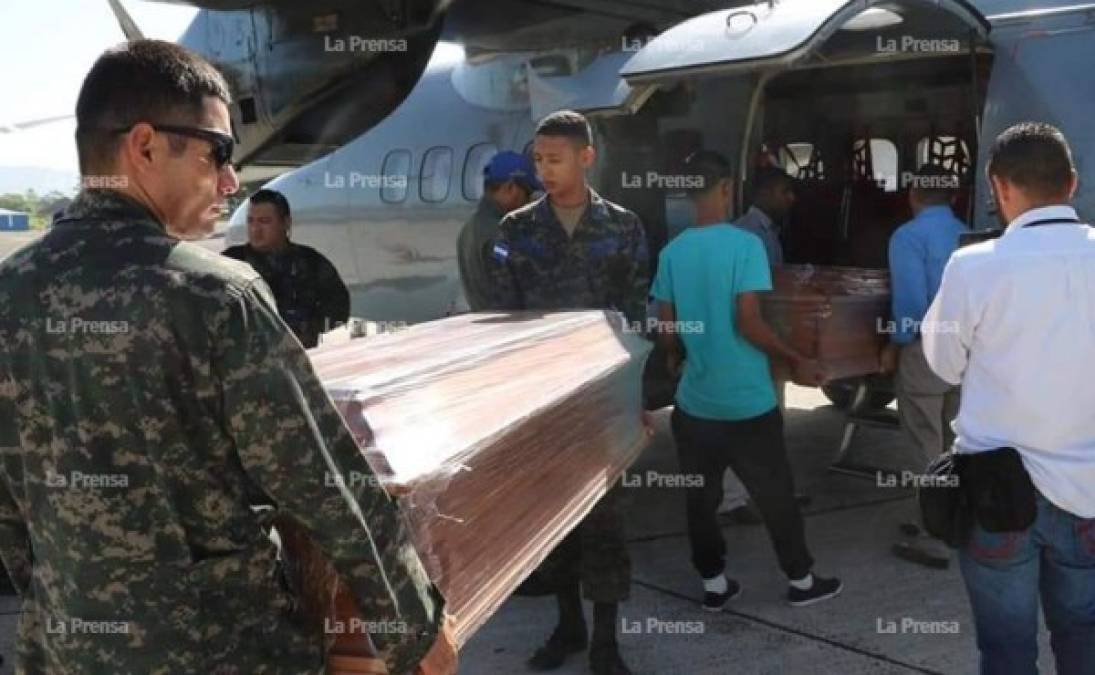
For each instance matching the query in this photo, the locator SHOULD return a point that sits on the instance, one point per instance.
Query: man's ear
(726, 185)
(1001, 188)
(1073, 184)
(139, 147)
(587, 155)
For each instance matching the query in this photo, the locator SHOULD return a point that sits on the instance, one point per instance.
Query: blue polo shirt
(919, 250)
(700, 273)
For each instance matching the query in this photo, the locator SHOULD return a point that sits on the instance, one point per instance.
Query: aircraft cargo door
(794, 34)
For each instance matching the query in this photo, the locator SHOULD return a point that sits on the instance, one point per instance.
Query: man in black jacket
(309, 292)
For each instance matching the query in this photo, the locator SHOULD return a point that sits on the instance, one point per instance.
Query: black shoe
(746, 514)
(822, 589)
(605, 660)
(910, 529)
(562, 643)
(916, 554)
(535, 586)
(715, 602)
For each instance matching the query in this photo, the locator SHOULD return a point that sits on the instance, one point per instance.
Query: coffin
(496, 432)
(836, 315)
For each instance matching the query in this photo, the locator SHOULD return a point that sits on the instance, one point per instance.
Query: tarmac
(892, 618)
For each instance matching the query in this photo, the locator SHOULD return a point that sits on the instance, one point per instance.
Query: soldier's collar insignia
(107, 206)
(597, 208)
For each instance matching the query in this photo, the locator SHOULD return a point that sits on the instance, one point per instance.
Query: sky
(46, 48)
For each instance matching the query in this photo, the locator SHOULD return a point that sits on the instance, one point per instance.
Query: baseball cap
(509, 165)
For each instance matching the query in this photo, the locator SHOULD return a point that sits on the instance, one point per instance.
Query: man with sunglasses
(152, 403)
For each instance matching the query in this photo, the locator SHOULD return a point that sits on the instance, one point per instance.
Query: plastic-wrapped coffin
(498, 433)
(834, 314)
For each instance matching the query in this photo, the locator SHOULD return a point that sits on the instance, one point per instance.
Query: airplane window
(798, 160)
(478, 157)
(884, 158)
(883, 161)
(949, 152)
(394, 172)
(436, 172)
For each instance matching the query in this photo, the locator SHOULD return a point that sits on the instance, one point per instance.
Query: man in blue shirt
(919, 251)
(775, 195)
(726, 415)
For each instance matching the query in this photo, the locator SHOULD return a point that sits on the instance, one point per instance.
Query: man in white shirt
(1014, 324)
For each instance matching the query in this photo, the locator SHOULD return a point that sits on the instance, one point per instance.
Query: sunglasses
(223, 145)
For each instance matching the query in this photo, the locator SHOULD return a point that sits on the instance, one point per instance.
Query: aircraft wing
(20, 126)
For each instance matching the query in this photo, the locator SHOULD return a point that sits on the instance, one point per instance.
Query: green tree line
(40, 207)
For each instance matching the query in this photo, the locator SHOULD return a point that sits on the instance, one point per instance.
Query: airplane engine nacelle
(310, 77)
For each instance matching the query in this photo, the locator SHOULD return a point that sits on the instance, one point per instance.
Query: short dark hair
(140, 81)
(769, 177)
(709, 167)
(1034, 156)
(935, 184)
(568, 124)
(267, 196)
(492, 185)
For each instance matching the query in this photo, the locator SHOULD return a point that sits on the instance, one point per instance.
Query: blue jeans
(1004, 573)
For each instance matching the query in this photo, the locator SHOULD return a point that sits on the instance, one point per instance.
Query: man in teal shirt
(727, 415)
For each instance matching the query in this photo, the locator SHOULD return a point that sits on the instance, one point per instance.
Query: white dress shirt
(1014, 323)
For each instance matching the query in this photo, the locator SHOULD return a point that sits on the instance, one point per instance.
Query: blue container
(13, 221)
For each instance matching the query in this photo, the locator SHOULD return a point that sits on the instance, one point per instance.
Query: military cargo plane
(848, 95)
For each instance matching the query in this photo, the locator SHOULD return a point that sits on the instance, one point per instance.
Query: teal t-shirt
(701, 272)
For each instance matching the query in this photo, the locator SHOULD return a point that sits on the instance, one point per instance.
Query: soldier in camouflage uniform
(150, 397)
(572, 249)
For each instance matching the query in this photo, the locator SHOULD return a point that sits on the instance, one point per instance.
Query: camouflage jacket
(310, 295)
(604, 265)
(150, 397)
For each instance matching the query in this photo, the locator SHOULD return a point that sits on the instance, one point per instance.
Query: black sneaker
(715, 602)
(822, 589)
(605, 660)
(746, 514)
(562, 643)
(909, 529)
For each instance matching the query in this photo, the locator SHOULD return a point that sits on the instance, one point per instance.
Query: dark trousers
(594, 555)
(754, 449)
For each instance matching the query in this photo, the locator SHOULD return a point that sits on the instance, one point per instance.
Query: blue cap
(509, 165)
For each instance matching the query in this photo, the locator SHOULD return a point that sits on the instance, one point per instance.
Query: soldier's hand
(648, 424)
(888, 358)
(810, 372)
(674, 364)
(442, 659)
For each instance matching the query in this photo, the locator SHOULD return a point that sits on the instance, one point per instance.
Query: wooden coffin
(497, 433)
(832, 314)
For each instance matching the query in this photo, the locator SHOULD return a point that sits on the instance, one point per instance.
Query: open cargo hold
(833, 314)
(497, 433)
